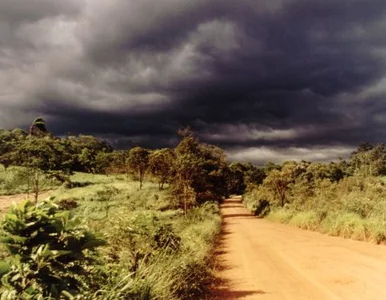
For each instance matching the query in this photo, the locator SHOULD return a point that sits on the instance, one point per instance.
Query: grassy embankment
(353, 208)
(154, 251)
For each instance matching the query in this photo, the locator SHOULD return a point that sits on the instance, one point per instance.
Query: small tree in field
(199, 171)
(187, 166)
(138, 162)
(161, 165)
(41, 157)
(278, 183)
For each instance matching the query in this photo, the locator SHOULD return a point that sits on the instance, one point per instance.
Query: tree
(161, 165)
(199, 172)
(84, 150)
(138, 162)
(254, 176)
(38, 128)
(369, 160)
(10, 142)
(187, 166)
(211, 183)
(42, 157)
(235, 178)
(117, 162)
(278, 183)
(269, 166)
(7, 159)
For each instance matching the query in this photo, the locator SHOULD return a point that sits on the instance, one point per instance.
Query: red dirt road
(264, 260)
(6, 201)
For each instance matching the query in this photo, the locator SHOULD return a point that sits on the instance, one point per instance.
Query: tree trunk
(140, 179)
(36, 187)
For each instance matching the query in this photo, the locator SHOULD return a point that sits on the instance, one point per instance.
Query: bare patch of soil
(6, 201)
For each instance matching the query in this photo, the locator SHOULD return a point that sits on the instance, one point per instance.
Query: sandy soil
(263, 260)
(6, 201)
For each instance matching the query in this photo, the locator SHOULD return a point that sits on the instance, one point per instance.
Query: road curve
(259, 259)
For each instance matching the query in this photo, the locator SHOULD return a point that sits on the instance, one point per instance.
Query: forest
(103, 223)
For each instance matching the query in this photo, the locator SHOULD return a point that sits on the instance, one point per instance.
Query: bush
(68, 204)
(51, 253)
(262, 208)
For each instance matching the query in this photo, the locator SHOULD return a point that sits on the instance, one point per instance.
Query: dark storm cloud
(23, 11)
(264, 79)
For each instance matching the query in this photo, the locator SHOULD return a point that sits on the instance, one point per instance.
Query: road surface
(259, 259)
(6, 201)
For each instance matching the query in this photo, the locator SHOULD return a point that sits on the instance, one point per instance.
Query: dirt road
(264, 260)
(6, 201)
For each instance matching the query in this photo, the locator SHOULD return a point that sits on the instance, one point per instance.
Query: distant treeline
(344, 198)
(200, 169)
(193, 171)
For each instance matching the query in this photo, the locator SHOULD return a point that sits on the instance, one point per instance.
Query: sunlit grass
(129, 218)
(342, 224)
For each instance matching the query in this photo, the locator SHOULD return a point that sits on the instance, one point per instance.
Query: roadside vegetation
(141, 223)
(345, 198)
(119, 224)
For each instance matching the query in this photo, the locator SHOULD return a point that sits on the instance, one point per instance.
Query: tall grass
(154, 251)
(353, 208)
(178, 270)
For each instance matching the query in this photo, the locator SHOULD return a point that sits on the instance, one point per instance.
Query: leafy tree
(161, 165)
(187, 167)
(211, 183)
(7, 159)
(269, 166)
(138, 162)
(236, 178)
(278, 182)
(117, 162)
(102, 162)
(42, 157)
(38, 128)
(369, 160)
(254, 175)
(87, 159)
(199, 171)
(84, 150)
(10, 142)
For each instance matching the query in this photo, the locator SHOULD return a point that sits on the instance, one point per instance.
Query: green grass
(14, 181)
(307, 220)
(355, 207)
(343, 224)
(160, 274)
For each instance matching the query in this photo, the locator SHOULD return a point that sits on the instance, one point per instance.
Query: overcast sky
(264, 79)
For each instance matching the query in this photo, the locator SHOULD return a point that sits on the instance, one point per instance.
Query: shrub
(68, 204)
(51, 252)
(261, 208)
